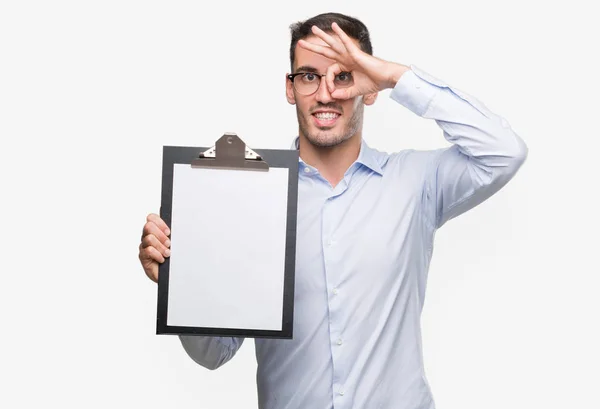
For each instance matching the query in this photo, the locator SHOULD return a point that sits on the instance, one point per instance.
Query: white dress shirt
(363, 254)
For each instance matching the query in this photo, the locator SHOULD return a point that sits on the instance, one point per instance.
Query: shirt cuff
(416, 89)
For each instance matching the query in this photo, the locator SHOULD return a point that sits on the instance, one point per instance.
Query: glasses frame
(291, 77)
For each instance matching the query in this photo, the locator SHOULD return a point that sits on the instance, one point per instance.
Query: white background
(89, 93)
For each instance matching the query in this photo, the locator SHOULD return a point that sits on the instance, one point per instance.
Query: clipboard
(232, 213)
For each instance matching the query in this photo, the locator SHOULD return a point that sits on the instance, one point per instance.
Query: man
(366, 225)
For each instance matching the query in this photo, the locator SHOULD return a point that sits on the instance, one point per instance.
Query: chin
(326, 135)
(326, 139)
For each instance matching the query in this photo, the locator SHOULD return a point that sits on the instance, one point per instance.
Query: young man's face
(323, 120)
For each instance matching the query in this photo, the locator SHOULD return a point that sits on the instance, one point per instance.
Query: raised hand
(370, 74)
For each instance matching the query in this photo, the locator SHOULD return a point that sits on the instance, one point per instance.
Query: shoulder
(414, 161)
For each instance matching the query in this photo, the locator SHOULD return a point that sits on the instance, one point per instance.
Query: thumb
(344, 93)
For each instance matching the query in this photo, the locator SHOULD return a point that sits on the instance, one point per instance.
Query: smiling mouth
(325, 118)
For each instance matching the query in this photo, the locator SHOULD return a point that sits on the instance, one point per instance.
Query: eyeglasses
(307, 83)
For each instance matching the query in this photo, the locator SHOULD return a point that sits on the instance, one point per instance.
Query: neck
(332, 162)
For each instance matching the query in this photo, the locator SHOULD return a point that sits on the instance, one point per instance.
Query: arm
(486, 153)
(210, 352)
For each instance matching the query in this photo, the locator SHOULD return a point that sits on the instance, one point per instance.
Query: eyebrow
(306, 68)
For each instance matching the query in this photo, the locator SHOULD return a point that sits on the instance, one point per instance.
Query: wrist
(395, 72)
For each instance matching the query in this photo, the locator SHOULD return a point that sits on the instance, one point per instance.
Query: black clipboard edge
(275, 158)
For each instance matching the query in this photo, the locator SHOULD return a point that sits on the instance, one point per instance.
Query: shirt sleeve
(210, 352)
(485, 153)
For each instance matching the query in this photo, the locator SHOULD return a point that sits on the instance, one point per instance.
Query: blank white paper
(228, 238)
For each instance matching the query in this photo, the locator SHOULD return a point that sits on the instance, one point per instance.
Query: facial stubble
(323, 137)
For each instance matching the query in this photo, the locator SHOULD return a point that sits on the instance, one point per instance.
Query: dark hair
(350, 25)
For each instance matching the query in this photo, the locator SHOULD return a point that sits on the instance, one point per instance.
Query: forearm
(482, 135)
(210, 352)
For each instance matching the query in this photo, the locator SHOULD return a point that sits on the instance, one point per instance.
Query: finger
(348, 43)
(319, 49)
(149, 255)
(345, 93)
(152, 217)
(151, 241)
(152, 228)
(151, 270)
(333, 43)
(148, 258)
(150, 265)
(332, 71)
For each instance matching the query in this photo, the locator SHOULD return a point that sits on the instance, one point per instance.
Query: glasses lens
(307, 83)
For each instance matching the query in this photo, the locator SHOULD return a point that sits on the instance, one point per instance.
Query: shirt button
(335, 291)
(339, 341)
(342, 392)
(307, 169)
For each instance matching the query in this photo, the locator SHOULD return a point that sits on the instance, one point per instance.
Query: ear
(289, 91)
(369, 99)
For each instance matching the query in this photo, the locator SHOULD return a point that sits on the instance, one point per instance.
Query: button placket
(331, 259)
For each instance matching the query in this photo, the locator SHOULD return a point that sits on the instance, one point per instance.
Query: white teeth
(326, 115)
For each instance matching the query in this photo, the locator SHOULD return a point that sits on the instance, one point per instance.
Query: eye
(308, 77)
(343, 78)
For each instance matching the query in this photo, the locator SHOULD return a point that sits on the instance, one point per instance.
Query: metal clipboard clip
(230, 152)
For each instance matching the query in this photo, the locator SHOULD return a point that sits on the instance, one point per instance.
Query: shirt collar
(367, 156)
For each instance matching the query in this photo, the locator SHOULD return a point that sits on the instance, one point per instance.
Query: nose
(322, 94)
